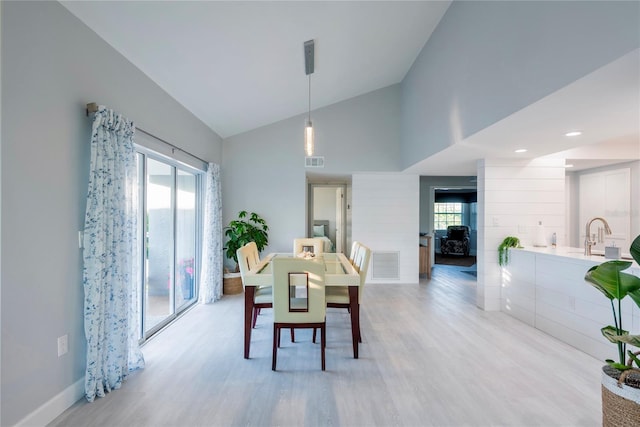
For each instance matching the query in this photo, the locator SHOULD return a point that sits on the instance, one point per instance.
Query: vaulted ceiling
(239, 65)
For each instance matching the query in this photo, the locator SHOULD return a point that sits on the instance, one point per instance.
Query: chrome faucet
(587, 239)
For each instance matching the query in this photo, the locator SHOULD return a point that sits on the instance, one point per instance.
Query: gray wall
(487, 60)
(263, 170)
(52, 65)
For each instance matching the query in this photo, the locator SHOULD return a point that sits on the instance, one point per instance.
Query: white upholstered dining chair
(355, 246)
(316, 245)
(298, 300)
(248, 257)
(338, 296)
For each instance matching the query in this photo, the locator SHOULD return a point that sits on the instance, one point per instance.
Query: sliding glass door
(170, 200)
(186, 237)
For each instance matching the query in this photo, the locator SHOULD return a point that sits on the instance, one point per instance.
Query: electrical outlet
(63, 345)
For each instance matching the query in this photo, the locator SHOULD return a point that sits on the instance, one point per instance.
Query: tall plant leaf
(635, 253)
(633, 340)
(635, 296)
(609, 280)
(613, 335)
(635, 249)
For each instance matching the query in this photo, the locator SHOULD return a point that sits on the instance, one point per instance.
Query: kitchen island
(545, 288)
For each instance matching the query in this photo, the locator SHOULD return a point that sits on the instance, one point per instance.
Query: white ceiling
(239, 65)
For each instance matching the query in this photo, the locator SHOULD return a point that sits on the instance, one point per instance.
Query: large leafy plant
(610, 279)
(243, 230)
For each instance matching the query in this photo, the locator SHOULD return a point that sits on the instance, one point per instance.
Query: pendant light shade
(309, 51)
(308, 139)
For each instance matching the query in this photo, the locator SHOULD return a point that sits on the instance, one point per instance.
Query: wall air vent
(314, 162)
(385, 265)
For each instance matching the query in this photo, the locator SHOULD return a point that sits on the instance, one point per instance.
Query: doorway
(327, 212)
(455, 207)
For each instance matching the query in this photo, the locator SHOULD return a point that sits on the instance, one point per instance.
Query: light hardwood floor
(429, 357)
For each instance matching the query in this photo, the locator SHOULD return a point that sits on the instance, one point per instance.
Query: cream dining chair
(298, 300)
(248, 257)
(355, 246)
(317, 245)
(338, 296)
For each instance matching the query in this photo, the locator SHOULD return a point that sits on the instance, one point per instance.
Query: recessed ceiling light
(568, 166)
(573, 133)
(521, 150)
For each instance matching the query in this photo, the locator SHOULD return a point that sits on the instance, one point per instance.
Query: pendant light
(309, 66)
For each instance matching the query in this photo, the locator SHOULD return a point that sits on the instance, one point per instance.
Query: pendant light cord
(309, 98)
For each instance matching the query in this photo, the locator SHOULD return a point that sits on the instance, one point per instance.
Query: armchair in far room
(456, 241)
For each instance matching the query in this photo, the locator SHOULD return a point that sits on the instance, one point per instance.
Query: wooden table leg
(355, 318)
(249, 292)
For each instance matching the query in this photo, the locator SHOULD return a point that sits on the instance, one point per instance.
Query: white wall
(487, 60)
(386, 217)
(52, 66)
(263, 170)
(512, 197)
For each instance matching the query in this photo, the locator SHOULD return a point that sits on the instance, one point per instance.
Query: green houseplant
(248, 227)
(503, 249)
(620, 408)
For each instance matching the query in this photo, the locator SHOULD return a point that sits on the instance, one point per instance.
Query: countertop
(576, 253)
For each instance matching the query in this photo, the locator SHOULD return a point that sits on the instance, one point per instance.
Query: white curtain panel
(211, 272)
(111, 256)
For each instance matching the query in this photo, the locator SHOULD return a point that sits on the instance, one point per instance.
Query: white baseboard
(49, 410)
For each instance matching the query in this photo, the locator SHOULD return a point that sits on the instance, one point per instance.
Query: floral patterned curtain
(211, 272)
(111, 256)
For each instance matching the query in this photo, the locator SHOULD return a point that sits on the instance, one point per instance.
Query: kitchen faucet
(587, 240)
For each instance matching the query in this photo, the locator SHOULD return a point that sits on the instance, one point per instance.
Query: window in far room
(446, 214)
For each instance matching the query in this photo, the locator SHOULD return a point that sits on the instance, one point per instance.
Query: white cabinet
(548, 291)
(518, 288)
(608, 195)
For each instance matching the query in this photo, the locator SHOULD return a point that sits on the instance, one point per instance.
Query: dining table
(338, 272)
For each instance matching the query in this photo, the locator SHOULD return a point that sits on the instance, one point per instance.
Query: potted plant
(503, 249)
(248, 227)
(620, 381)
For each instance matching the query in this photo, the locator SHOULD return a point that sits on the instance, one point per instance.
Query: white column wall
(513, 196)
(385, 212)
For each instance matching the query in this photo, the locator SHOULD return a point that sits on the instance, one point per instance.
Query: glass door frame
(175, 311)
